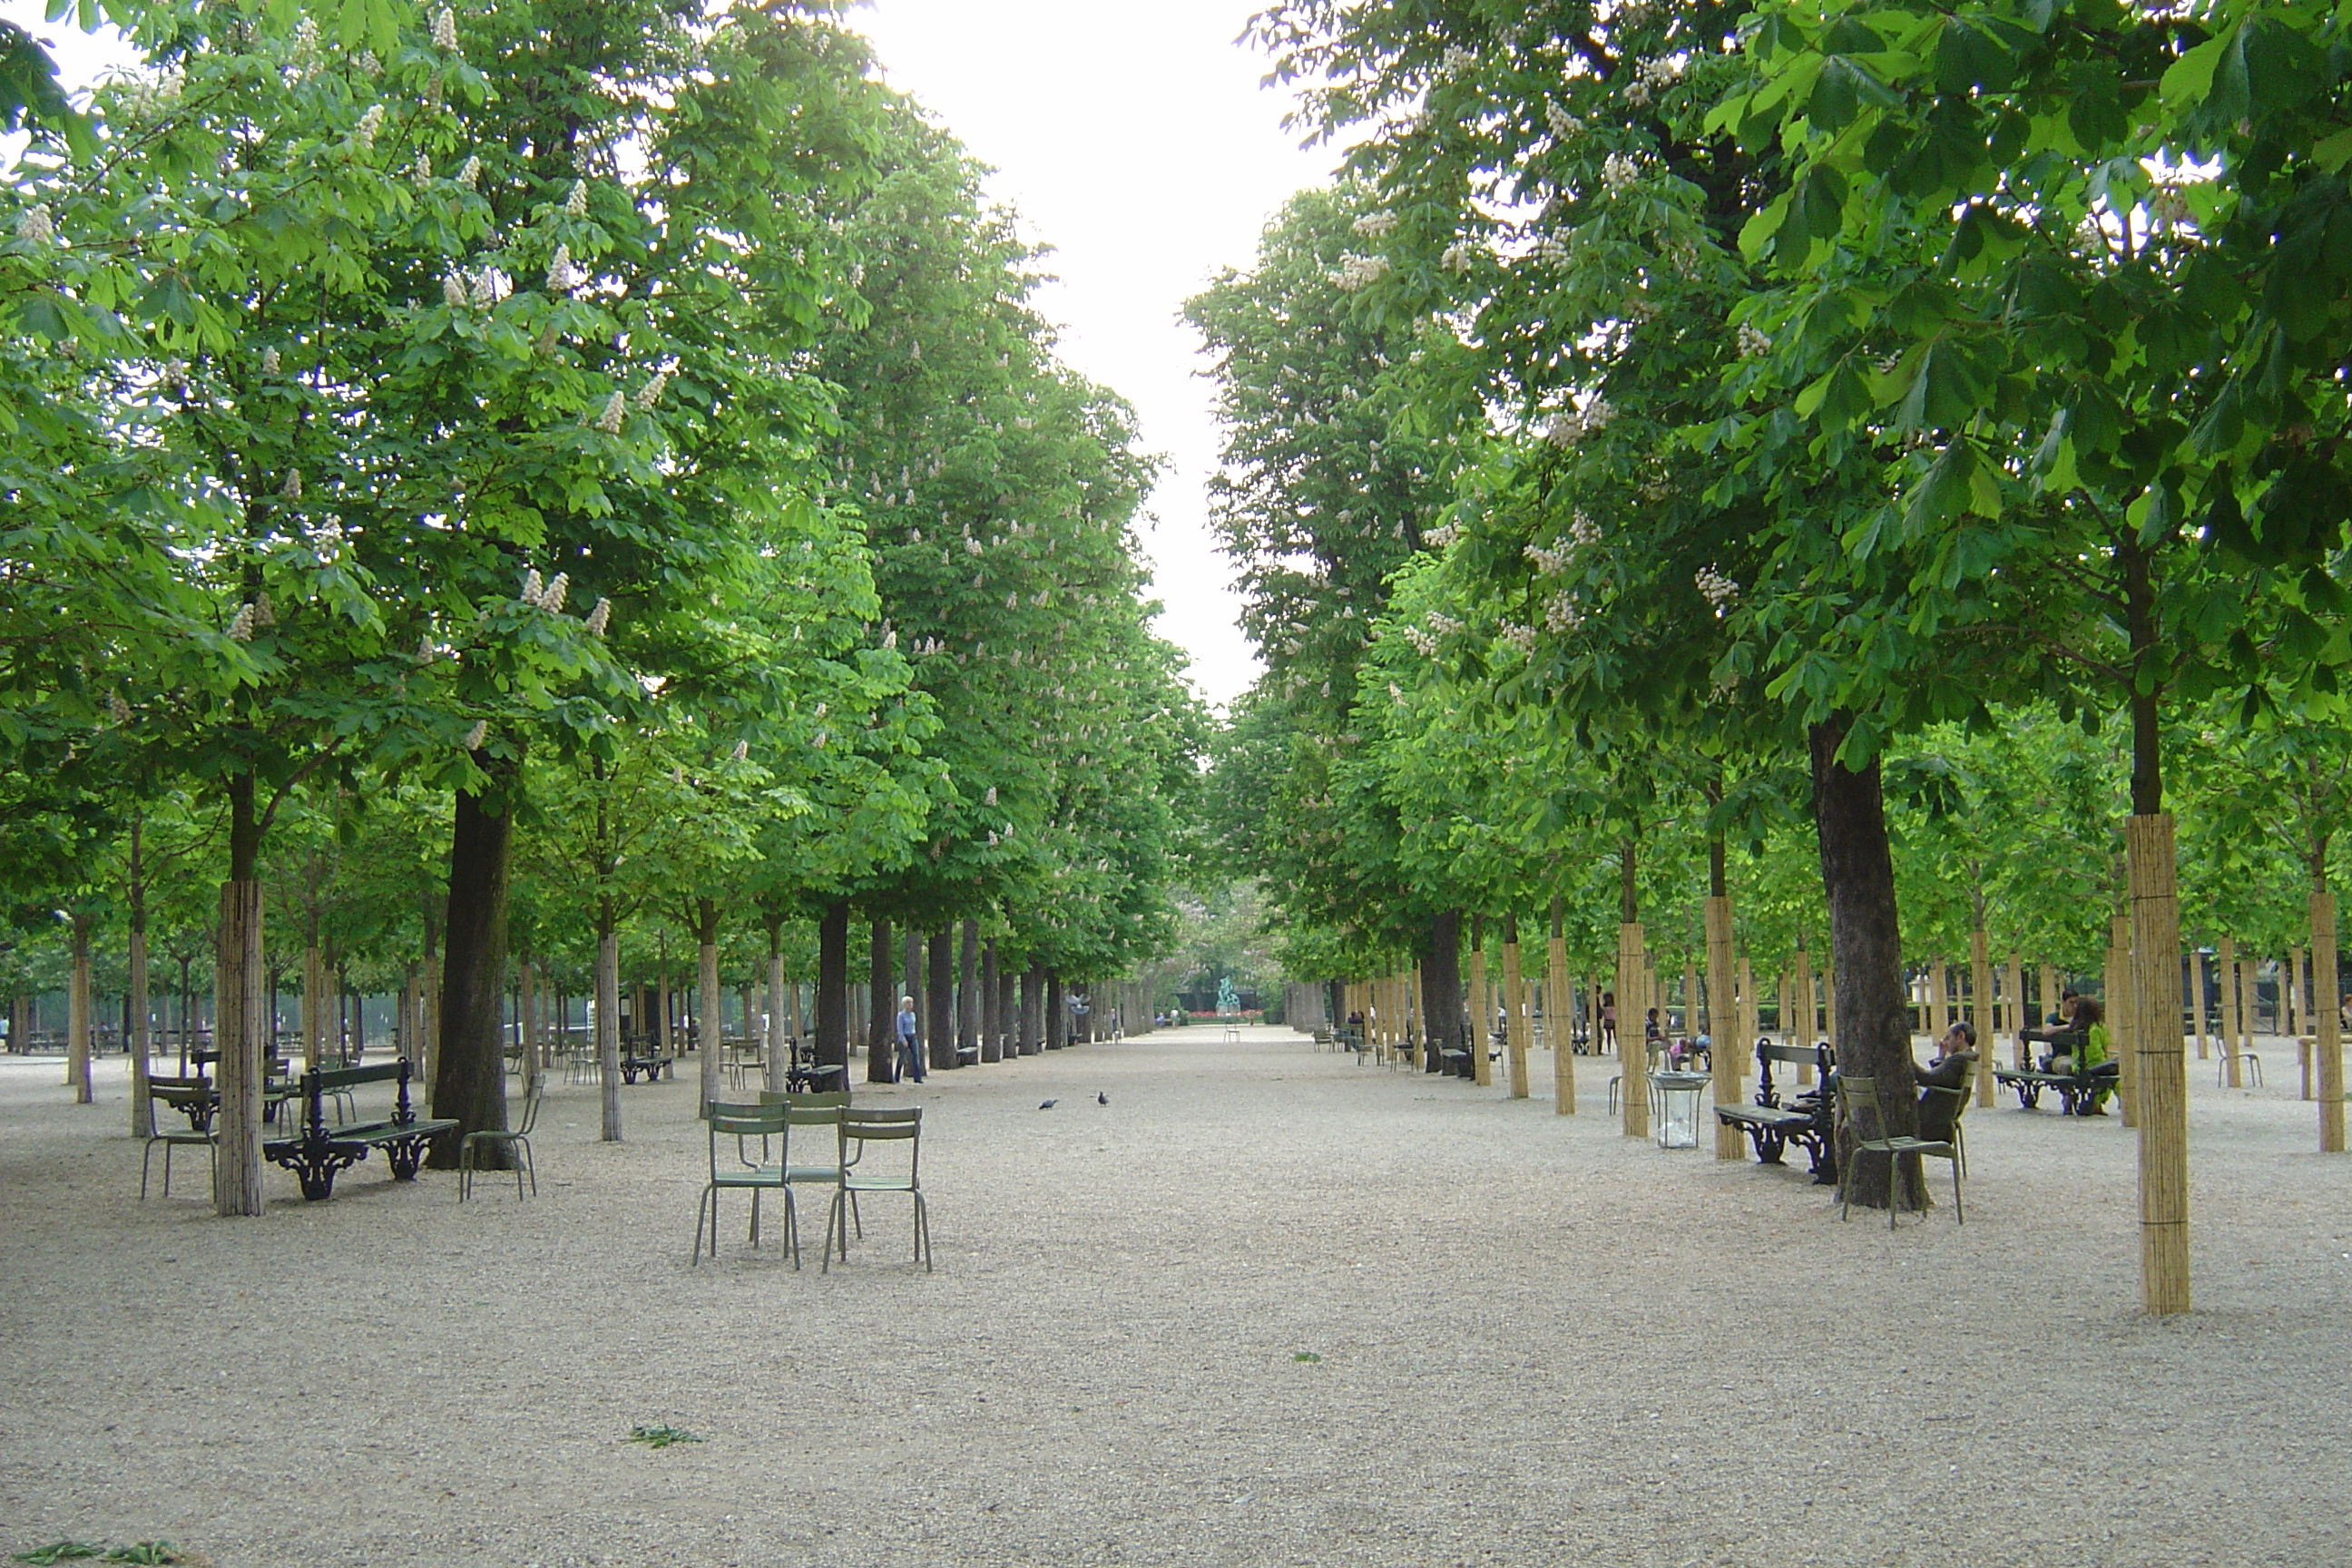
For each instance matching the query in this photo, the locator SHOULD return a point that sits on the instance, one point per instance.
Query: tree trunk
(1058, 1012)
(1515, 1023)
(2328, 1044)
(237, 1034)
(1481, 1009)
(1033, 1004)
(833, 990)
(991, 1011)
(776, 1047)
(608, 1021)
(143, 1111)
(882, 1006)
(78, 1018)
(709, 1009)
(940, 995)
(1866, 953)
(1441, 990)
(1559, 1010)
(967, 992)
(469, 1071)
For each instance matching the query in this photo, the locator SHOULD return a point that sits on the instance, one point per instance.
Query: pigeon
(1101, 1098)
(1049, 1105)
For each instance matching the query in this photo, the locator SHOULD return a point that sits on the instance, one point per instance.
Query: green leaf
(2190, 78)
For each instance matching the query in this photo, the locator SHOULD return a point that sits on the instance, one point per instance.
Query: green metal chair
(170, 1138)
(738, 1122)
(1858, 1108)
(863, 1127)
(517, 1137)
(819, 1171)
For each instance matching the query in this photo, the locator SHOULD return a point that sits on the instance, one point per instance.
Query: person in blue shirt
(910, 1064)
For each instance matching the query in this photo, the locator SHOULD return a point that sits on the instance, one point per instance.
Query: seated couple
(2080, 1045)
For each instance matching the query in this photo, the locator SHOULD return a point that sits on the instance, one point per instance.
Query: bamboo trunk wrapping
(2327, 1042)
(1980, 983)
(1633, 1091)
(1482, 1021)
(2160, 1072)
(2126, 1025)
(1557, 1005)
(1514, 1022)
(1723, 1044)
(238, 1034)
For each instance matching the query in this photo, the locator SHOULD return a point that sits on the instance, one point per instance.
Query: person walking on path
(909, 1062)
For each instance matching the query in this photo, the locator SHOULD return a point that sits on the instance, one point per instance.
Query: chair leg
(706, 1208)
(834, 1215)
(532, 1166)
(922, 1232)
(147, 1154)
(755, 1216)
(1959, 1212)
(793, 1225)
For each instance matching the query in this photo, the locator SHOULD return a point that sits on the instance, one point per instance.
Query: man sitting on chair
(1955, 1062)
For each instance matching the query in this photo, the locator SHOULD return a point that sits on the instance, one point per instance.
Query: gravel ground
(1540, 1342)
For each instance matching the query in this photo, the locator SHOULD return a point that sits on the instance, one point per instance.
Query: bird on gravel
(1049, 1105)
(1101, 1098)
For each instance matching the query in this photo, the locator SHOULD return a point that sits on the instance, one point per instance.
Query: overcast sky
(1133, 137)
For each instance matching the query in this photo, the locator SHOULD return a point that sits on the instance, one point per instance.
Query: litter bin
(1674, 1107)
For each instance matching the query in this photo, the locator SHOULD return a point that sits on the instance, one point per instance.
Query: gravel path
(1539, 1343)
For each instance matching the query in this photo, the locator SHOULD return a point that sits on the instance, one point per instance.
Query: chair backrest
(863, 1127)
(741, 1121)
(806, 1096)
(1858, 1106)
(530, 1105)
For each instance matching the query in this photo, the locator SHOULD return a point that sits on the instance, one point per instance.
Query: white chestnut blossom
(990, 799)
(453, 290)
(743, 749)
(1443, 535)
(420, 174)
(1456, 257)
(1359, 272)
(1518, 636)
(561, 276)
(292, 488)
(617, 408)
(271, 361)
(553, 600)
(444, 29)
(1715, 588)
(650, 393)
(370, 123)
(600, 618)
(468, 171)
(1548, 559)
(1375, 226)
(576, 201)
(484, 287)
(1618, 172)
(175, 376)
(1550, 250)
(1561, 123)
(532, 587)
(117, 708)
(369, 64)
(1561, 615)
(264, 614)
(240, 626)
(1459, 59)
(1423, 643)
(1581, 531)
(34, 224)
(475, 737)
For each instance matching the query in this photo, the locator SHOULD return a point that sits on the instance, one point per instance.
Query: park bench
(321, 1151)
(1805, 1120)
(2077, 1090)
(647, 1060)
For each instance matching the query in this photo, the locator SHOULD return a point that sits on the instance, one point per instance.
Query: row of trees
(1691, 424)
(494, 483)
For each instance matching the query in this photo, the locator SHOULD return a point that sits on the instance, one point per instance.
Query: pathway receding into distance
(1535, 1343)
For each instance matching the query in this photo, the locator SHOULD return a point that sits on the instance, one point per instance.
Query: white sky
(1133, 137)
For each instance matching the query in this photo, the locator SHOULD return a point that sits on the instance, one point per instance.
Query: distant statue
(1228, 1004)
